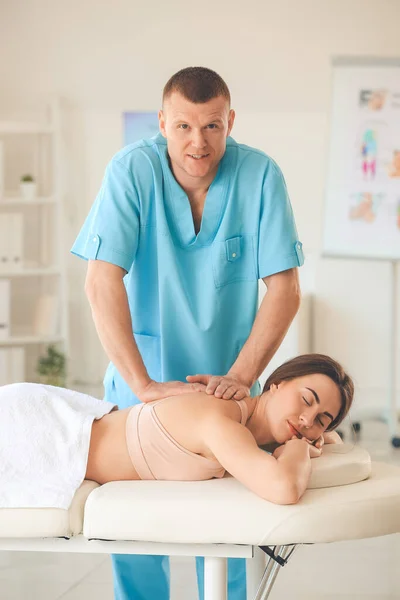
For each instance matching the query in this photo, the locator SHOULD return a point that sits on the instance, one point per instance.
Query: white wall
(104, 58)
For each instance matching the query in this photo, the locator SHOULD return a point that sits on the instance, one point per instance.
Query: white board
(362, 204)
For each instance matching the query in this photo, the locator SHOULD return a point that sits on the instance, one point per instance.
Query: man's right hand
(157, 391)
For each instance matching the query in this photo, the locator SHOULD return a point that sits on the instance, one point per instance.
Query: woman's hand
(278, 451)
(313, 451)
(157, 391)
(319, 442)
(332, 437)
(314, 447)
(222, 386)
(329, 437)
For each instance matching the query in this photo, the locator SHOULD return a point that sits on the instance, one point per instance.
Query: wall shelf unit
(33, 278)
(18, 201)
(29, 340)
(34, 272)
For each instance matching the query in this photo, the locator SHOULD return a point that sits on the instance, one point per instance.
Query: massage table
(348, 498)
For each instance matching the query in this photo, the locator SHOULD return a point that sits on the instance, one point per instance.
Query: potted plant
(27, 187)
(51, 367)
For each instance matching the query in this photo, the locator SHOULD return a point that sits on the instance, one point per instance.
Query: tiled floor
(366, 569)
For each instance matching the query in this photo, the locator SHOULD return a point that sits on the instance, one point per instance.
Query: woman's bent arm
(282, 481)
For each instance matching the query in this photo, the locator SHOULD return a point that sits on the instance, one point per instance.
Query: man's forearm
(110, 310)
(273, 319)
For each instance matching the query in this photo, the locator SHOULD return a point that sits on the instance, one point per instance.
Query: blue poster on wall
(139, 125)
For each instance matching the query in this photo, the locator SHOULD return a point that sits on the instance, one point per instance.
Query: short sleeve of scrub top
(111, 231)
(279, 248)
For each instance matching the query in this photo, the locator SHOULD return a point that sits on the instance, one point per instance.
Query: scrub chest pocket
(233, 260)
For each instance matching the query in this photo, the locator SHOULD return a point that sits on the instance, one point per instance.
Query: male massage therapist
(184, 226)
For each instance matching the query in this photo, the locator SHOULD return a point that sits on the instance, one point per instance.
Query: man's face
(196, 135)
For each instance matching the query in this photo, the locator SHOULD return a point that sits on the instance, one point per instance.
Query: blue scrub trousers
(139, 577)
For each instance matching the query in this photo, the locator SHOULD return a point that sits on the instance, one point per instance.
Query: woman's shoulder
(201, 404)
(232, 409)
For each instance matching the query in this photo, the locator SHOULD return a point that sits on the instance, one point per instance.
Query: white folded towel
(44, 443)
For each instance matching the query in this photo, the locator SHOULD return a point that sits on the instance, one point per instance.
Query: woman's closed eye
(318, 418)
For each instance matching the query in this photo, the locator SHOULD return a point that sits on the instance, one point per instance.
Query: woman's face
(302, 407)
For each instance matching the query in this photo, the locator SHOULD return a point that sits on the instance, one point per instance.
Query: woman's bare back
(181, 416)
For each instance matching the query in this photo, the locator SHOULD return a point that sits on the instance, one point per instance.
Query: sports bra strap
(244, 410)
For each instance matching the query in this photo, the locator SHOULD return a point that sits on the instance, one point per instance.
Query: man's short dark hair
(197, 84)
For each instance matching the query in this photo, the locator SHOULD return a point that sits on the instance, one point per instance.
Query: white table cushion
(339, 464)
(46, 522)
(224, 511)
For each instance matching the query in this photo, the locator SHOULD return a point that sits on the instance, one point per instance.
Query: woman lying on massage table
(192, 436)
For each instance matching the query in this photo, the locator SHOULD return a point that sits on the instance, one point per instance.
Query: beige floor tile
(47, 566)
(102, 573)
(89, 591)
(349, 567)
(32, 590)
(183, 578)
(322, 596)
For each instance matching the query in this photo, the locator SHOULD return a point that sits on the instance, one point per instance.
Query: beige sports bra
(156, 455)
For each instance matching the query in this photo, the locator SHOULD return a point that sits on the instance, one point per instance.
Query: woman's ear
(274, 387)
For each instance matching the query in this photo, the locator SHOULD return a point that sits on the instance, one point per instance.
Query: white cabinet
(32, 248)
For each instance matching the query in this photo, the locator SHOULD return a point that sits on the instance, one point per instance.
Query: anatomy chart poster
(362, 212)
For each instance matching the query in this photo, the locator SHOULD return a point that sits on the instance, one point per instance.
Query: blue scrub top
(193, 298)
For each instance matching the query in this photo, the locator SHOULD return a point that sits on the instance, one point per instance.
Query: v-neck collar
(179, 209)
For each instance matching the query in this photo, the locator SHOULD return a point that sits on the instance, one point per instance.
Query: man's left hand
(222, 386)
